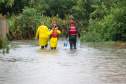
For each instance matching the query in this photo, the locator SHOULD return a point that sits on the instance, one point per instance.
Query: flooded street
(27, 64)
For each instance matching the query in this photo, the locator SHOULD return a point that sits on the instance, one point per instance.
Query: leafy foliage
(107, 24)
(103, 19)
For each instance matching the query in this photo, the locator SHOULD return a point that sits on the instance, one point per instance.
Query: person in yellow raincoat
(54, 34)
(42, 34)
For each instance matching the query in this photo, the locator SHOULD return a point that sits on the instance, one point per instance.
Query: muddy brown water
(28, 64)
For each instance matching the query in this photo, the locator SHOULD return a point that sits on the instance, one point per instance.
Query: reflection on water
(27, 64)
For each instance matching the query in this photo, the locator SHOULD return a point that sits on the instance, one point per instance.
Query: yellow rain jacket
(42, 34)
(54, 39)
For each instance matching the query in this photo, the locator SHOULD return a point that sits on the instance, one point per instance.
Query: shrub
(24, 25)
(4, 45)
(111, 27)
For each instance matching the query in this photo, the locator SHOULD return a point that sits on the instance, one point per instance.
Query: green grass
(109, 44)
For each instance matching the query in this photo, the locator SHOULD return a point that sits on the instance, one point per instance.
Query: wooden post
(3, 27)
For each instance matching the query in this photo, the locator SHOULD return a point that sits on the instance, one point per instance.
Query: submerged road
(28, 64)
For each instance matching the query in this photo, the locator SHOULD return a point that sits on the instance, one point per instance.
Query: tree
(5, 6)
(9, 7)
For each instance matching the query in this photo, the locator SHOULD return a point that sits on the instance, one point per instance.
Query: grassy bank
(110, 44)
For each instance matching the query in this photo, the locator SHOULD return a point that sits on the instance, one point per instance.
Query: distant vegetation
(97, 20)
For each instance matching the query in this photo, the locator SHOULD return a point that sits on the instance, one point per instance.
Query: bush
(24, 25)
(1, 43)
(4, 45)
(120, 24)
(111, 27)
(100, 30)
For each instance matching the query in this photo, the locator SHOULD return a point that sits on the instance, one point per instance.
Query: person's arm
(48, 32)
(59, 32)
(51, 32)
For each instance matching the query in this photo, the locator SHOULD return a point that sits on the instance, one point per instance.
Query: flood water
(28, 64)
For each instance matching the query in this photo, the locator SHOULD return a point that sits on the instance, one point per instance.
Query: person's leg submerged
(70, 45)
(46, 45)
(54, 48)
(74, 45)
(42, 47)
